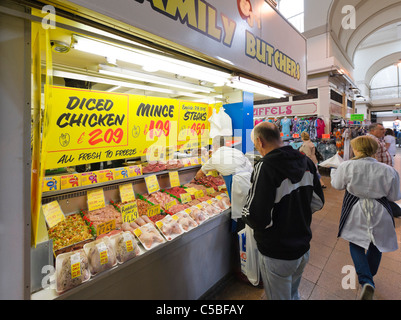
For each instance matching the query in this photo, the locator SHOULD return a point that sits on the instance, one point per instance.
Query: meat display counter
(184, 268)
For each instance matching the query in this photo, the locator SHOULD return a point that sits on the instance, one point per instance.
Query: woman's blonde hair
(366, 145)
(305, 135)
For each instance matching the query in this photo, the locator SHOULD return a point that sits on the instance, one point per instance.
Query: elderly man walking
(377, 131)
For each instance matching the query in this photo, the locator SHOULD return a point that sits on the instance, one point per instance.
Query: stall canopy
(247, 36)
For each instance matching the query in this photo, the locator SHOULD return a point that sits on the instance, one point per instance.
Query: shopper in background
(389, 140)
(309, 149)
(285, 192)
(377, 131)
(366, 217)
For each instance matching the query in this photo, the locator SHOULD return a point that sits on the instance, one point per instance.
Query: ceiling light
(145, 59)
(255, 87)
(138, 76)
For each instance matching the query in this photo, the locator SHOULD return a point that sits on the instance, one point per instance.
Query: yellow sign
(53, 213)
(88, 178)
(86, 126)
(193, 121)
(185, 197)
(174, 179)
(120, 173)
(51, 183)
(95, 199)
(170, 204)
(105, 227)
(153, 210)
(210, 191)
(70, 181)
(152, 184)
(105, 175)
(199, 194)
(134, 171)
(129, 212)
(126, 192)
(191, 191)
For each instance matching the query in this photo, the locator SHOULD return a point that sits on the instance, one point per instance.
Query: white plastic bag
(249, 255)
(332, 162)
(220, 124)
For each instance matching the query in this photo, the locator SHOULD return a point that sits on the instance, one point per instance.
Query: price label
(185, 197)
(129, 245)
(101, 247)
(126, 192)
(326, 136)
(152, 184)
(210, 191)
(174, 179)
(153, 210)
(199, 194)
(295, 135)
(129, 212)
(213, 173)
(95, 199)
(75, 265)
(191, 191)
(170, 204)
(53, 213)
(105, 227)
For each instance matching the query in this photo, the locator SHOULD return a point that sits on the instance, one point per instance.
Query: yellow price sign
(185, 197)
(191, 191)
(126, 192)
(96, 199)
(199, 194)
(105, 227)
(53, 213)
(170, 204)
(129, 212)
(210, 191)
(152, 184)
(153, 210)
(174, 179)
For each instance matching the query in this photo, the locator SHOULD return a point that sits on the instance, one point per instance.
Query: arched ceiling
(381, 64)
(371, 16)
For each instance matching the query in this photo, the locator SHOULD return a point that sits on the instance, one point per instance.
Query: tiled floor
(323, 276)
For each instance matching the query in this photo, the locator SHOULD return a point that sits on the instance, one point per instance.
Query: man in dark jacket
(285, 192)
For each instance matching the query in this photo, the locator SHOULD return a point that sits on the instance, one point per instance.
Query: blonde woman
(366, 218)
(308, 148)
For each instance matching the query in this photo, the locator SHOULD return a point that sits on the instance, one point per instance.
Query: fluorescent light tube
(144, 59)
(255, 87)
(138, 76)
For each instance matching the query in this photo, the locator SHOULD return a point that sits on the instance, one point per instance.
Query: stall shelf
(194, 258)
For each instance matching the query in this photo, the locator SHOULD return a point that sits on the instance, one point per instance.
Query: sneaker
(367, 292)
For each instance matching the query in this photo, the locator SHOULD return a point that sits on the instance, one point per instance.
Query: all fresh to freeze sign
(84, 126)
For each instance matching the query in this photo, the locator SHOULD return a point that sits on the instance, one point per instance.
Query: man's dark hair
(269, 132)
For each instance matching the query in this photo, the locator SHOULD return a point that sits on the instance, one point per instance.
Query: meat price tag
(105, 227)
(129, 212)
(53, 213)
(75, 265)
(191, 191)
(199, 194)
(213, 173)
(185, 197)
(101, 247)
(126, 192)
(170, 204)
(210, 190)
(152, 184)
(174, 179)
(96, 199)
(153, 210)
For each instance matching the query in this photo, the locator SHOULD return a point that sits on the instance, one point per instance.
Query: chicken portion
(149, 236)
(169, 227)
(186, 222)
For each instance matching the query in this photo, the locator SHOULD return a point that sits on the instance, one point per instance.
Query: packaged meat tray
(197, 215)
(69, 232)
(185, 221)
(161, 198)
(148, 236)
(153, 166)
(208, 208)
(177, 208)
(72, 269)
(174, 164)
(125, 246)
(101, 255)
(169, 228)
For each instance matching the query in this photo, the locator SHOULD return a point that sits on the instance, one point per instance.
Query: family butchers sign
(84, 126)
(245, 35)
